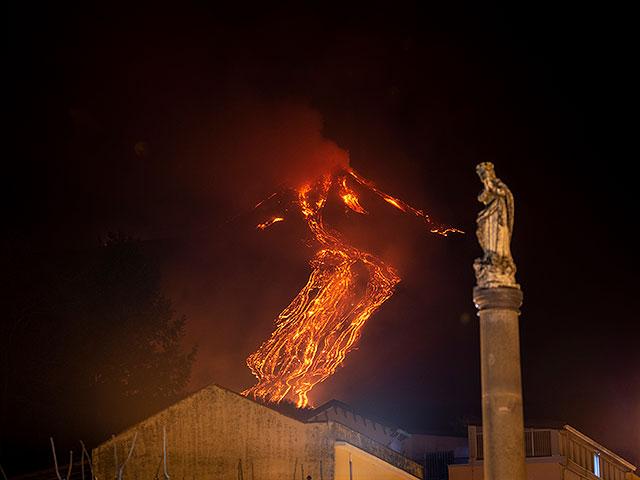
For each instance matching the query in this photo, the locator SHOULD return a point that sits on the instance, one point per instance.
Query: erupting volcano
(323, 322)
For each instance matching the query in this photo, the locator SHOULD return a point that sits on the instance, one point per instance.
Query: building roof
(599, 447)
(316, 412)
(347, 433)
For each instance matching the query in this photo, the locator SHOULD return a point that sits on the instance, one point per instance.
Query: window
(596, 464)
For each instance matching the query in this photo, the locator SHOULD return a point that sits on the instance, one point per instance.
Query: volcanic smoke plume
(323, 322)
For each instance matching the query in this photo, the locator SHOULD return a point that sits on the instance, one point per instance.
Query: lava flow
(322, 323)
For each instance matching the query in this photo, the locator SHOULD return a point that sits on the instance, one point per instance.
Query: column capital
(503, 298)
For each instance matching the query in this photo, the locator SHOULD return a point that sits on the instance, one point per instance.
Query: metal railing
(537, 443)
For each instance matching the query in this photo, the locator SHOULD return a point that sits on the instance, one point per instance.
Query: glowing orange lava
(323, 322)
(405, 207)
(264, 225)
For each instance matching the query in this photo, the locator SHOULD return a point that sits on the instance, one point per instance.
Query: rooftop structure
(433, 451)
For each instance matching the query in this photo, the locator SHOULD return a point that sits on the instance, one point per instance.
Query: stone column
(502, 421)
(498, 298)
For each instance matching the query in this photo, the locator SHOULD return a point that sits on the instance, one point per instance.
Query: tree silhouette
(89, 343)
(137, 353)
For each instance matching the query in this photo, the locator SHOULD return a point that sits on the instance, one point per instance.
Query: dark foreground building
(215, 433)
(218, 434)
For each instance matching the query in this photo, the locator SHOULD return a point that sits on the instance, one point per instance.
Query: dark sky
(171, 122)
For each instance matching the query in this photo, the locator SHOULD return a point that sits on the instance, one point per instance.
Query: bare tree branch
(55, 458)
(133, 443)
(84, 449)
(135, 476)
(164, 451)
(155, 477)
(4, 475)
(115, 453)
(82, 463)
(70, 464)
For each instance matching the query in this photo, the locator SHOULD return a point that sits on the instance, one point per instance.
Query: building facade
(218, 434)
(552, 454)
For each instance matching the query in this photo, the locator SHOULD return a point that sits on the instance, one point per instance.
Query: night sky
(171, 122)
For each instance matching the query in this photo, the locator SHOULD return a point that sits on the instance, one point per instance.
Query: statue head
(485, 170)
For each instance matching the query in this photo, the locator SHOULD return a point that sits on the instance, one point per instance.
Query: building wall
(576, 452)
(353, 463)
(535, 471)
(562, 454)
(218, 434)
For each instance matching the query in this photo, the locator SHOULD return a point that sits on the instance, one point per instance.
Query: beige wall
(550, 470)
(218, 434)
(215, 434)
(535, 471)
(352, 463)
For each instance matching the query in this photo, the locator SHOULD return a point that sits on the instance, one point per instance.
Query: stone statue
(494, 228)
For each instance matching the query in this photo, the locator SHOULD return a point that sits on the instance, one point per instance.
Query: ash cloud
(253, 147)
(227, 274)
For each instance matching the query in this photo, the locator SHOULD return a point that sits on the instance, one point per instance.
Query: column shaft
(502, 419)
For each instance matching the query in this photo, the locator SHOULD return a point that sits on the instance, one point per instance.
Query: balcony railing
(537, 443)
